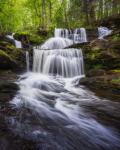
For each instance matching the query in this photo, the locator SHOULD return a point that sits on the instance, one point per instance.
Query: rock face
(104, 85)
(7, 90)
(102, 54)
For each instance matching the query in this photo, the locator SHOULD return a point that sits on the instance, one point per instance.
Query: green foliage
(116, 71)
(36, 39)
(32, 15)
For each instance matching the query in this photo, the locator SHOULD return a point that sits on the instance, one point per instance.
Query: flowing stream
(55, 112)
(103, 31)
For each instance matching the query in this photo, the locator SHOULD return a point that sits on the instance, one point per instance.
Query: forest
(32, 15)
(59, 74)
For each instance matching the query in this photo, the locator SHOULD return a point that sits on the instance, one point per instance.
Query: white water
(54, 112)
(103, 31)
(67, 63)
(27, 61)
(18, 44)
(64, 38)
(56, 43)
(78, 35)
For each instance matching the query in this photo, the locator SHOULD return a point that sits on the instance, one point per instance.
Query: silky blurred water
(54, 112)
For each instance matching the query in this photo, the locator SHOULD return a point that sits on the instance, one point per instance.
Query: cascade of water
(103, 31)
(56, 114)
(56, 43)
(18, 44)
(67, 63)
(62, 33)
(78, 35)
(27, 61)
(54, 111)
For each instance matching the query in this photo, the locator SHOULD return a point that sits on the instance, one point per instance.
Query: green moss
(116, 37)
(116, 71)
(2, 53)
(94, 54)
(116, 80)
(36, 39)
(97, 66)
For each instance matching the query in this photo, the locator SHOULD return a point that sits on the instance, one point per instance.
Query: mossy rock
(6, 62)
(36, 39)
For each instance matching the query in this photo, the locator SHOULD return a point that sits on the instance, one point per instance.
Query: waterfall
(18, 44)
(61, 33)
(66, 63)
(58, 32)
(27, 61)
(78, 35)
(52, 110)
(64, 38)
(57, 113)
(56, 43)
(103, 31)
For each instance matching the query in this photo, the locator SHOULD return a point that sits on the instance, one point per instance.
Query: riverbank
(107, 85)
(102, 64)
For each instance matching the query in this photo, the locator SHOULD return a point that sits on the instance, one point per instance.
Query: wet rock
(8, 87)
(7, 91)
(104, 85)
(10, 140)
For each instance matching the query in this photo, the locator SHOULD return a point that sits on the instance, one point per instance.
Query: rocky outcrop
(8, 87)
(11, 57)
(107, 85)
